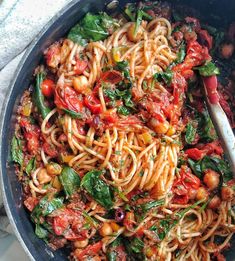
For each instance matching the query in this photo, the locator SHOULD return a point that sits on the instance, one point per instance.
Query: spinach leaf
(181, 54)
(45, 207)
(208, 69)
(190, 133)
(92, 27)
(41, 232)
(38, 96)
(196, 167)
(31, 166)
(70, 180)
(214, 163)
(139, 17)
(16, 151)
(206, 128)
(123, 110)
(73, 114)
(152, 204)
(166, 77)
(97, 188)
(137, 245)
(123, 66)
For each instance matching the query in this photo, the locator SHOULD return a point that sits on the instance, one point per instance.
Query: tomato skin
(211, 84)
(110, 116)
(31, 203)
(80, 66)
(48, 88)
(60, 224)
(68, 99)
(90, 250)
(195, 153)
(206, 38)
(93, 104)
(50, 149)
(185, 186)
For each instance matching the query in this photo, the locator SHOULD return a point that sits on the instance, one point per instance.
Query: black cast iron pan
(216, 12)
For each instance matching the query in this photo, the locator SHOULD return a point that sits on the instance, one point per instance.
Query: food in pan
(114, 146)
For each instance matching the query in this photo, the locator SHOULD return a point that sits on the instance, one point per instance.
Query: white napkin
(20, 22)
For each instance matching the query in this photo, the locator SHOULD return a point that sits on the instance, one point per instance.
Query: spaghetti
(114, 163)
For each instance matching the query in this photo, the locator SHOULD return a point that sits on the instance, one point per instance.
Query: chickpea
(80, 83)
(106, 230)
(43, 177)
(215, 202)
(132, 36)
(211, 179)
(53, 168)
(80, 243)
(159, 127)
(227, 50)
(227, 193)
(192, 193)
(56, 183)
(202, 194)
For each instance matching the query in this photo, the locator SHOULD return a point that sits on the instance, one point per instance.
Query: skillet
(217, 13)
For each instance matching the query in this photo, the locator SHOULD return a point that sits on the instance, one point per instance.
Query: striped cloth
(19, 24)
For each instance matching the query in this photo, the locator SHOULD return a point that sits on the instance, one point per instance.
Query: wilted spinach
(97, 188)
(92, 27)
(74, 114)
(190, 133)
(31, 166)
(207, 69)
(45, 207)
(41, 232)
(16, 151)
(70, 180)
(165, 77)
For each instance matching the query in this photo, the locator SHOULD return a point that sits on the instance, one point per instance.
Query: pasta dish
(114, 146)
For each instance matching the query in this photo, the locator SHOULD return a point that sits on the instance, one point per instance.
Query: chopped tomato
(110, 116)
(195, 153)
(50, 149)
(90, 250)
(196, 55)
(31, 134)
(93, 104)
(211, 148)
(112, 77)
(68, 99)
(52, 55)
(48, 88)
(185, 186)
(206, 39)
(31, 203)
(179, 86)
(211, 84)
(60, 224)
(80, 66)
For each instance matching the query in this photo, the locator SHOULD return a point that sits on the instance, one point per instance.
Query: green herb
(16, 151)
(31, 166)
(41, 232)
(181, 214)
(190, 133)
(89, 219)
(73, 114)
(208, 69)
(120, 194)
(181, 54)
(118, 152)
(196, 167)
(70, 181)
(139, 17)
(206, 128)
(92, 27)
(166, 77)
(97, 188)
(152, 204)
(38, 96)
(45, 207)
(123, 110)
(123, 66)
(137, 245)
